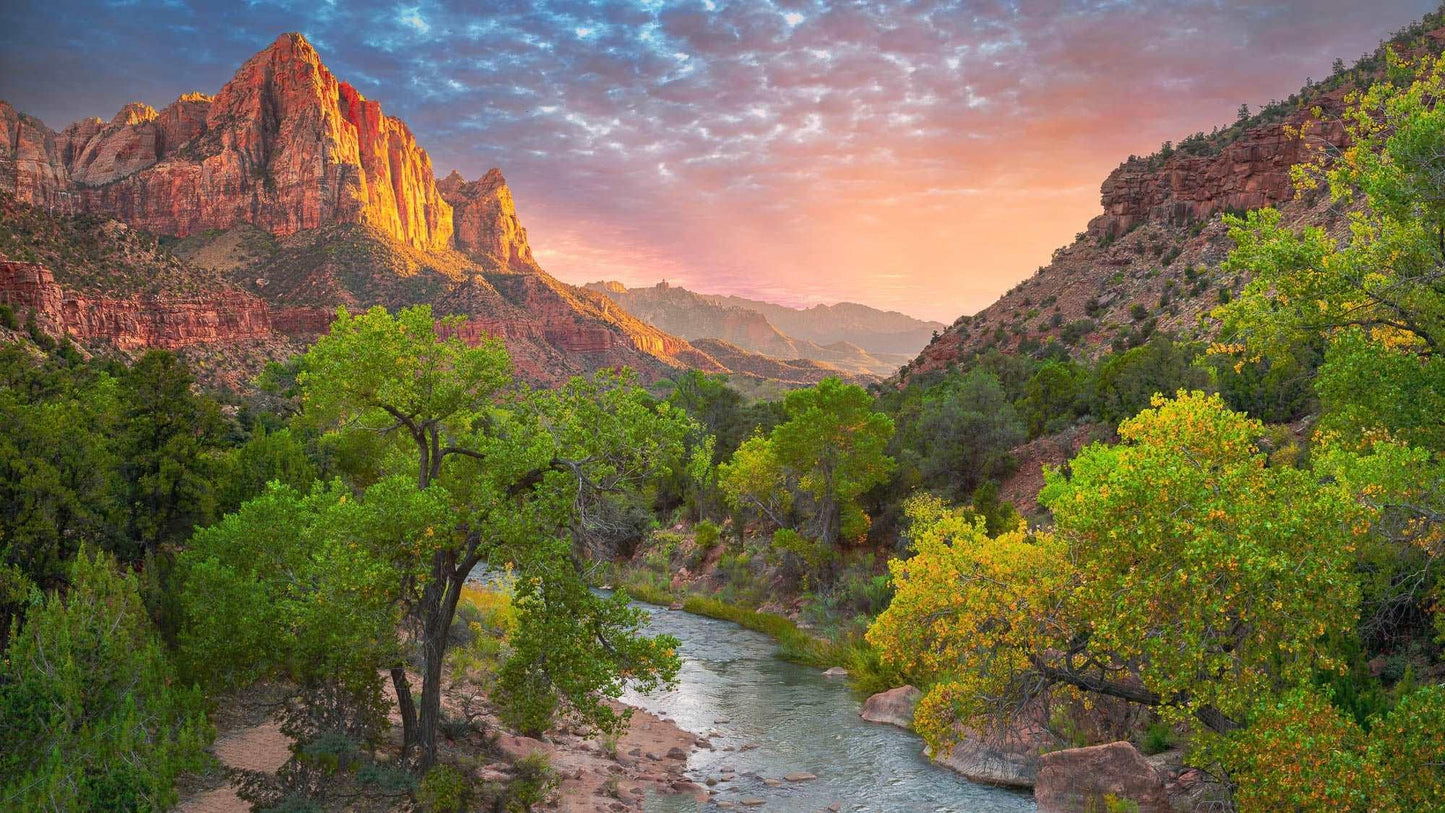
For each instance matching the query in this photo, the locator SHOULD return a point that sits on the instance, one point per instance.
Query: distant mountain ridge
(854, 338)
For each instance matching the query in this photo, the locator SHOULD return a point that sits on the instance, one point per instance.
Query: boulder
(1010, 757)
(893, 707)
(1090, 778)
(515, 747)
(836, 672)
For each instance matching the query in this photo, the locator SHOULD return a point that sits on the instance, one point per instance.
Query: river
(791, 718)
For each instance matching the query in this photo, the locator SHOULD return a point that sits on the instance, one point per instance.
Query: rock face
(1011, 757)
(138, 322)
(284, 146)
(893, 707)
(1250, 173)
(1089, 778)
(485, 218)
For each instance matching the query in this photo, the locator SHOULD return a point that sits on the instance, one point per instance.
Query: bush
(706, 535)
(1138, 312)
(444, 789)
(94, 716)
(7, 317)
(532, 783)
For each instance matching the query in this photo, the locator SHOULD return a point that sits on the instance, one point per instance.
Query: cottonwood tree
(830, 450)
(497, 475)
(1183, 573)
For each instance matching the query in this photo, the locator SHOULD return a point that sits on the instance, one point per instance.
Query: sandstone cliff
(284, 146)
(485, 218)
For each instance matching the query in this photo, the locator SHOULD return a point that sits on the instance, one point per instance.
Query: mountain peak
(485, 215)
(133, 113)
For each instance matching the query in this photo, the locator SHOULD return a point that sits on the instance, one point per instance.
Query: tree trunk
(407, 708)
(440, 607)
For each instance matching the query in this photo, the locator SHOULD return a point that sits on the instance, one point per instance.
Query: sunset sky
(917, 156)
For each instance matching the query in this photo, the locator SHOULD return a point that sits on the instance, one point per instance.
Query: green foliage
(444, 789)
(1408, 747)
(571, 649)
(1126, 383)
(1298, 753)
(94, 716)
(706, 534)
(166, 433)
(826, 455)
(264, 457)
(1052, 397)
(532, 783)
(964, 433)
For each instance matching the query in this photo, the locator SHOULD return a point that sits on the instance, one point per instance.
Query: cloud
(914, 154)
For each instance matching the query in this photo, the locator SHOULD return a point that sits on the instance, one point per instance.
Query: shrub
(706, 535)
(1157, 739)
(1298, 753)
(444, 789)
(532, 783)
(7, 317)
(1138, 312)
(95, 718)
(1410, 751)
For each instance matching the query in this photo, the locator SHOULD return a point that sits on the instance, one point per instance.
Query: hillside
(1151, 261)
(744, 324)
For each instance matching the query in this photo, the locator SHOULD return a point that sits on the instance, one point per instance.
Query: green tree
(829, 452)
(265, 456)
(515, 469)
(1052, 397)
(965, 431)
(165, 435)
(93, 716)
(1125, 383)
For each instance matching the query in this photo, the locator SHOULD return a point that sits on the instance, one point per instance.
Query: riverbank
(571, 772)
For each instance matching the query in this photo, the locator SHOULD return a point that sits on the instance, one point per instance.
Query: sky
(918, 156)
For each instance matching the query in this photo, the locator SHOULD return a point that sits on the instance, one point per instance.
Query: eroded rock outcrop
(284, 145)
(135, 322)
(1249, 173)
(485, 219)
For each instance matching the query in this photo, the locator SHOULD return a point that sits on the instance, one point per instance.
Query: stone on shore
(893, 707)
(1086, 778)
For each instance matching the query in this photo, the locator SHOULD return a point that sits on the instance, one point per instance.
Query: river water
(734, 691)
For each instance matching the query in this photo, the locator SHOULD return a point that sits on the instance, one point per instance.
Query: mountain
(1151, 260)
(259, 210)
(743, 324)
(873, 330)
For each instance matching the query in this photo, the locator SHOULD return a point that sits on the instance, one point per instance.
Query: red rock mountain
(288, 194)
(284, 146)
(1151, 261)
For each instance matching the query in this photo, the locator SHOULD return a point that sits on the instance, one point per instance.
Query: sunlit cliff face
(918, 156)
